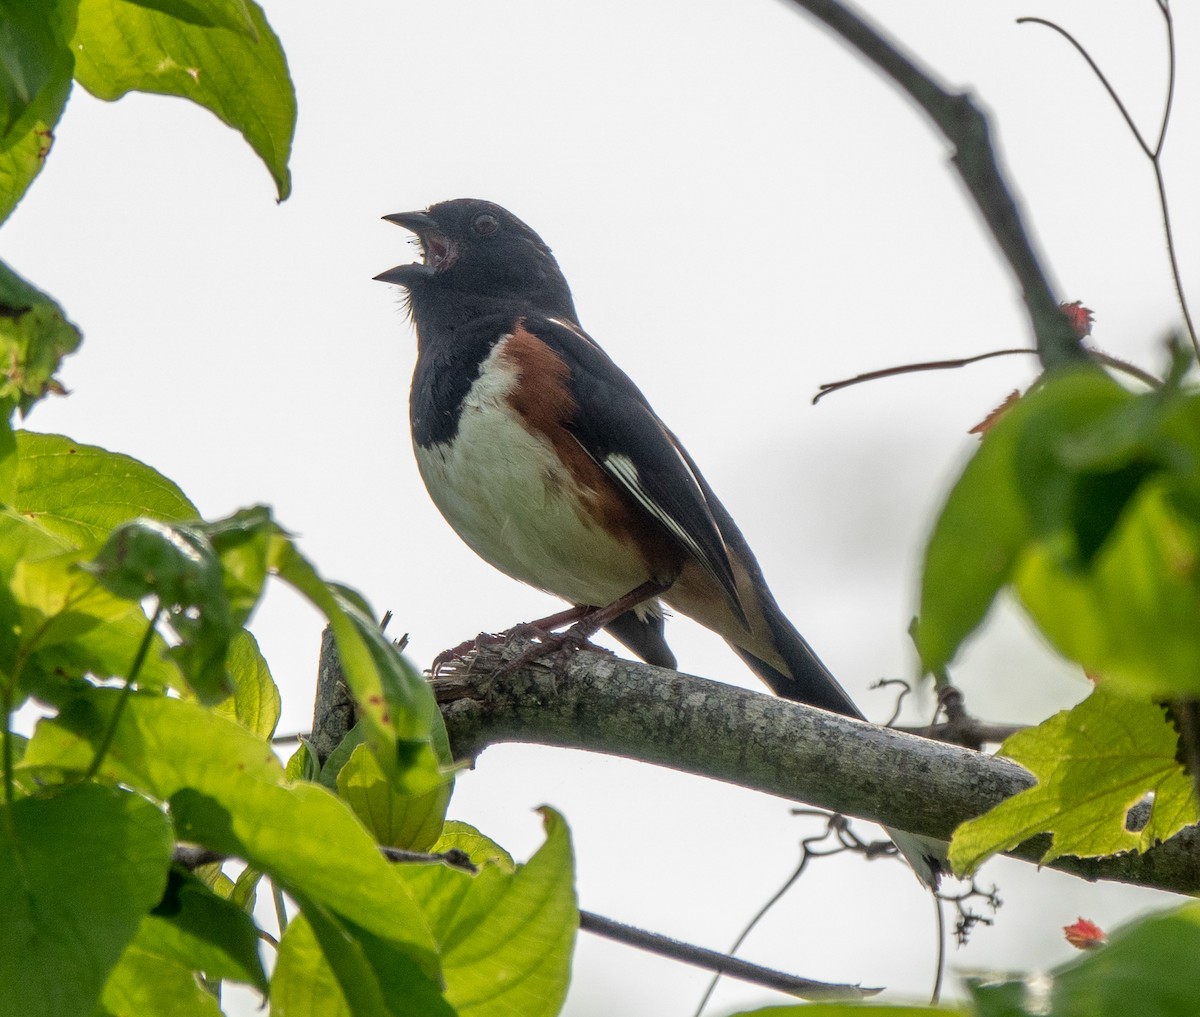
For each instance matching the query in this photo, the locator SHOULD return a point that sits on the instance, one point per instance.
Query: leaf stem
(281, 915)
(126, 691)
(9, 790)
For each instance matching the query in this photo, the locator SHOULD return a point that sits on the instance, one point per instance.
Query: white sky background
(745, 210)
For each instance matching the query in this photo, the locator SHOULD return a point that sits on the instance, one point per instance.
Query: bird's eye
(485, 224)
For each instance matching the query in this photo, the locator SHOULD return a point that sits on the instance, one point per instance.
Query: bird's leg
(538, 629)
(591, 620)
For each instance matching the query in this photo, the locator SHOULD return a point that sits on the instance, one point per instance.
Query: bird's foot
(540, 630)
(467, 646)
(553, 647)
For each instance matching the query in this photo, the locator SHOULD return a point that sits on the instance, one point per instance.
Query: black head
(478, 255)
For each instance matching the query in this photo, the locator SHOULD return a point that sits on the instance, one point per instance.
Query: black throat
(455, 334)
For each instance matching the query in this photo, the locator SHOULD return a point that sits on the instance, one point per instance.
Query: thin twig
(127, 691)
(1165, 10)
(281, 915)
(453, 859)
(940, 968)
(905, 691)
(1145, 377)
(928, 365)
(975, 160)
(968, 919)
(1153, 154)
(807, 853)
(1112, 92)
(713, 960)
(1099, 357)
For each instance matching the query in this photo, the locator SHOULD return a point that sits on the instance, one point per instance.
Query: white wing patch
(623, 468)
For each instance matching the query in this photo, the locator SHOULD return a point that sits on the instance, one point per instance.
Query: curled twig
(1153, 154)
(837, 837)
(968, 918)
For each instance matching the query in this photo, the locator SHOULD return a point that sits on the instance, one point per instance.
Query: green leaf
(374, 978)
(255, 701)
(851, 1010)
(78, 870)
(997, 507)
(396, 706)
(34, 338)
(81, 492)
(96, 636)
(1148, 968)
(69, 625)
(397, 820)
(506, 938)
(340, 755)
(994, 997)
(35, 79)
(60, 603)
(245, 890)
(145, 982)
(31, 45)
(242, 543)
(178, 566)
(481, 849)
(228, 792)
(122, 47)
(232, 14)
(22, 160)
(202, 931)
(303, 984)
(302, 764)
(8, 454)
(1093, 764)
(19, 540)
(1131, 615)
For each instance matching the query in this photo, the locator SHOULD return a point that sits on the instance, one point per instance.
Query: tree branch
(714, 960)
(966, 128)
(333, 706)
(604, 704)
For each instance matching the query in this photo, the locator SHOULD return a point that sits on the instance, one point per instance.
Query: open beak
(439, 253)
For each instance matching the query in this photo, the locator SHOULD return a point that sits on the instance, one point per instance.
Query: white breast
(506, 493)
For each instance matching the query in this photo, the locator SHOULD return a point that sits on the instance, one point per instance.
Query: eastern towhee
(550, 463)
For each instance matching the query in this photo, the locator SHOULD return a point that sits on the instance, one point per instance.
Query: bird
(551, 464)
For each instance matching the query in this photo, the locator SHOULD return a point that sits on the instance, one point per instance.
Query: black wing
(617, 428)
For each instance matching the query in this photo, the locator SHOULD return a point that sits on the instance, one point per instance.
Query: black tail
(644, 636)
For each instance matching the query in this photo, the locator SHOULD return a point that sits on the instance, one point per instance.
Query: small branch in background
(193, 856)
(1125, 367)
(713, 960)
(968, 918)
(1154, 154)
(967, 130)
(285, 739)
(929, 365)
(452, 859)
(959, 727)
(1116, 364)
(1185, 715)
(837, 831)
(905, 691)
